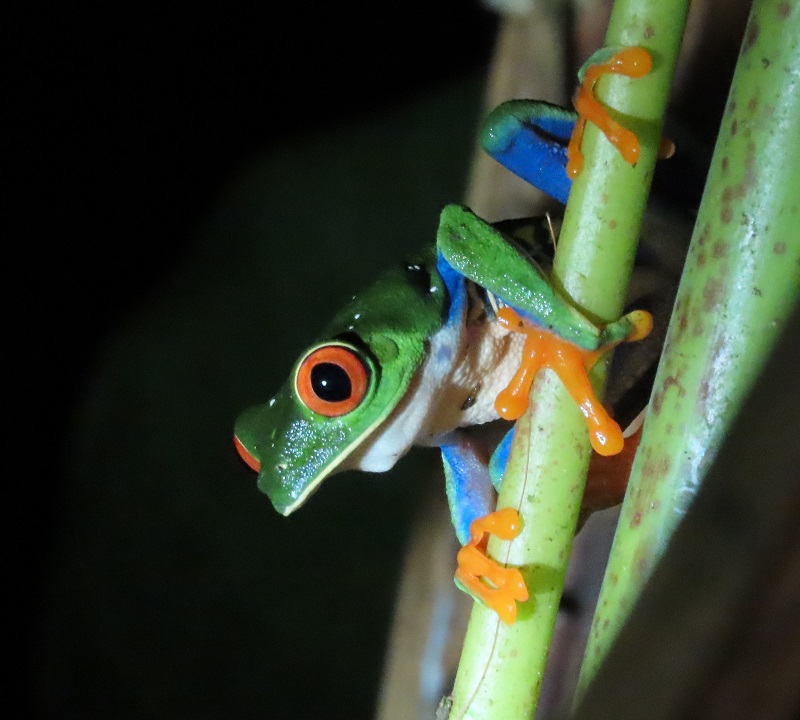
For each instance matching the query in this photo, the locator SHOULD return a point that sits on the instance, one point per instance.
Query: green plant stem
(741, 278)
(501, 668)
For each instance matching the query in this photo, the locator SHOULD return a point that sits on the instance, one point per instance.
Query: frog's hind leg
(472, 499)
(530, 138)
(470, 494)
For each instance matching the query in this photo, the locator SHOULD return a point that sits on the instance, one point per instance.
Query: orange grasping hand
(571, 364)
(497, 587)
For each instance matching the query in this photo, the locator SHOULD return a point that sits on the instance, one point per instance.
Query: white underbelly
(456, 386)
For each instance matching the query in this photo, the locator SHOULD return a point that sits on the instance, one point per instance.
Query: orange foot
(497, 587)
(608, 477)
(571, 364)
(633, 62)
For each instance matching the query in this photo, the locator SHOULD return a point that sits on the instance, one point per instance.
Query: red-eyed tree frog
(438, 347)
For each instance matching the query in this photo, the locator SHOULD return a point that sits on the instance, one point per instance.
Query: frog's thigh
(469, 488)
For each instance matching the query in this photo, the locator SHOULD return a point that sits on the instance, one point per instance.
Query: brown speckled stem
(741, 279)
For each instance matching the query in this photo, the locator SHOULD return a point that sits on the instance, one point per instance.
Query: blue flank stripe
(456, 289)
(499, 460)
(466, 501)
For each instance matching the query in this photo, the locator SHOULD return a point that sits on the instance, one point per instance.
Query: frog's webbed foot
(496, 586)
(634, 62)
(571, 363)
(541, 143)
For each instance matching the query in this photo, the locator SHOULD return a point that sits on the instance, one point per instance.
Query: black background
(129, 128)
(131, 125)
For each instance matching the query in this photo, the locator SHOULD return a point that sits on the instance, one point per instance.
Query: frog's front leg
(471, 498)
(572, 364)
(557, 335)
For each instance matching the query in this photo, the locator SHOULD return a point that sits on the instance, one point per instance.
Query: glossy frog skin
(297, 438)
(436, 349)
(420, 358)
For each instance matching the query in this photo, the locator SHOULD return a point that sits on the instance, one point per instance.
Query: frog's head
(342, 387)
(336, 395)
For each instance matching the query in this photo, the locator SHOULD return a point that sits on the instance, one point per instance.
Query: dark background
(196, 193)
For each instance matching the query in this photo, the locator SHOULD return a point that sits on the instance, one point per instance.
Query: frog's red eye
(332, 380)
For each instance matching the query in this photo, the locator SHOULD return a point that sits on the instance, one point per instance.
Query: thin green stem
(501, 667)
(741, 278)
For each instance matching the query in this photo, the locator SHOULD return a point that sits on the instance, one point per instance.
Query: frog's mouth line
(255, 464)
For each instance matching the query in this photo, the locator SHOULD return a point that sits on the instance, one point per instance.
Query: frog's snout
(244, 453)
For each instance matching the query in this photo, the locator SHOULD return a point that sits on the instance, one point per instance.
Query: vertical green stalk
(741, 277)
(501, 667)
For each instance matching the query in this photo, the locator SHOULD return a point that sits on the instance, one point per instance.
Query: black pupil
(330, 382)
